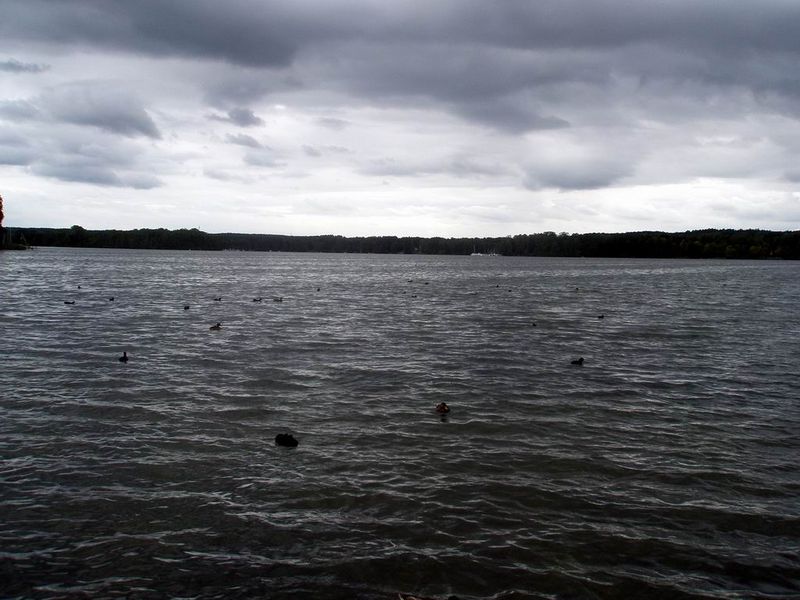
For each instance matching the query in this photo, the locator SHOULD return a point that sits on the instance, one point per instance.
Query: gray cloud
(223, 175)
(15, 155)
(243, 117)
(236, 88)
(14, 149)
(18, 109)
(263, 157)
(104, 105)
(461, 165)
(586, 176)
(85, 172)
(94, 174)
(504, 113)
(241, 139)
(140, 181)
(552, 95)
(78, 173)
(568, 162)
(242, 86)
(71, 155)
(333, 123)
(14, 66)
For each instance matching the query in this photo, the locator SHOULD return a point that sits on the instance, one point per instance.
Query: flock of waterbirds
(286, 439)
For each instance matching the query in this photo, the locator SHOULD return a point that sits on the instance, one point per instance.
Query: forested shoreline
(706, 243)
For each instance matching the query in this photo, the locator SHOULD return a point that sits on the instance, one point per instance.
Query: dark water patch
(664, 467)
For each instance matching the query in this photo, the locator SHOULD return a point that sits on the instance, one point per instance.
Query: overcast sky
(401, 117)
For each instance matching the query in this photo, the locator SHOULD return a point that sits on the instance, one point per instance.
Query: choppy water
(668, 466)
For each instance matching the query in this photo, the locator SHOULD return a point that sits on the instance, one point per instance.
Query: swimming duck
(578, 362)
(257, 299)
(278, 299)
(124, 357)
(217, 326)
(286, 439)
(442, 408)
(218, 299)
(69, 301)
(111, 299)
(186, 307)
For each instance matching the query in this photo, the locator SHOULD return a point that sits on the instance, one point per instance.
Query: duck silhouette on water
(442, 408)
(578, 361)
(123, 358)
(216, 327)
(286, 440)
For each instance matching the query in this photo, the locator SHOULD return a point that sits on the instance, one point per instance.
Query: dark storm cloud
(270, 33)
(238, 31)
(14, 66)
(600, 75)
(458, 51)
(243, 117)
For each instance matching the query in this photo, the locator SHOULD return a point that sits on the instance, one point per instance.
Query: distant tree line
(706, 243)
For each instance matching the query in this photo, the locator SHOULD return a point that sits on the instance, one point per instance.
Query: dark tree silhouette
(705, 243)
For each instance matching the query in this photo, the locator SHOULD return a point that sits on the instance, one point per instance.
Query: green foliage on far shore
(706, 243)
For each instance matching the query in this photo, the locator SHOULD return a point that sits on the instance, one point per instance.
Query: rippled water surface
(667, 466)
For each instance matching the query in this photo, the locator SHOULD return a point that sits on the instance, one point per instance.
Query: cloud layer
(459, 117)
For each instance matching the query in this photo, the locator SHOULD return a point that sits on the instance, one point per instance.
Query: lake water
(667, 466)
